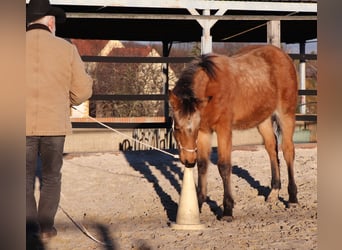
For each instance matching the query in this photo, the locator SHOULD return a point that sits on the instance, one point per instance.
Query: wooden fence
(158, 122)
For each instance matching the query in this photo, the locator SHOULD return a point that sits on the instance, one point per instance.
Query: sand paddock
(127, 200)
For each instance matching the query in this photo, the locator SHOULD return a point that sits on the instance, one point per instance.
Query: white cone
(188, 210)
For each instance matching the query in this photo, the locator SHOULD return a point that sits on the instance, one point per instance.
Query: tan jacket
(55, 80)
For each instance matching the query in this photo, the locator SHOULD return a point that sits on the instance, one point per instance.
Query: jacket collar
(37, 26)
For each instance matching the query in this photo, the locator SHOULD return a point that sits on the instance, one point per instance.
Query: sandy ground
(128, 200)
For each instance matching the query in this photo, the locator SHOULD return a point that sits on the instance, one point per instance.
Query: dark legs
(225, 170)
(224, 136)
(224, 167)
(287, 124)
(204, 148)
(266, 130)
(224, 139)
(51, 151)
(32, 149)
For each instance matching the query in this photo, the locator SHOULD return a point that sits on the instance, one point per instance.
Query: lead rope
(82, 228)
(118, 132)
(80, 225)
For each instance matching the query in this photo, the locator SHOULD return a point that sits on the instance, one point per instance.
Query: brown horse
(216, 93)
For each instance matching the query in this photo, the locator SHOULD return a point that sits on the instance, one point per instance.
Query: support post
(273, 33)
(206, 39)
(302, 76)
(165, 68)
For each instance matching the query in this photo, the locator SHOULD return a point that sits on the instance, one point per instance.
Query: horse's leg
(287, 124)
(266, 130)
(203, 154)
(224, 146)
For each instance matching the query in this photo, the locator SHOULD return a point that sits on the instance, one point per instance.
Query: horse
(255, 87)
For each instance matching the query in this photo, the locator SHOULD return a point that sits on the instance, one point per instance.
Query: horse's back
(252, 84)
(283, 74)
(267, 70)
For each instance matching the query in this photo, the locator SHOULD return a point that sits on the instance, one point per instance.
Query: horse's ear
(173, 99)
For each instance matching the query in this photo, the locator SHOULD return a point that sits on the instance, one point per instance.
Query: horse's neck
(200, 83)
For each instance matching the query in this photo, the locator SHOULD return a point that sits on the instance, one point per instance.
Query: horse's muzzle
(189, 165)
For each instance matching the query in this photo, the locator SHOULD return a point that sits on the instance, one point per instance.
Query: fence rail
(84, 123)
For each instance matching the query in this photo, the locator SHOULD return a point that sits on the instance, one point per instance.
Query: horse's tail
(277, 133)
(207, 63)
(276, 126)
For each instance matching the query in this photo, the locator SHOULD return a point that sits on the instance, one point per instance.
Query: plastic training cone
(188, 211)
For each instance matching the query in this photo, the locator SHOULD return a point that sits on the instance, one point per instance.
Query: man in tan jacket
(55, 80)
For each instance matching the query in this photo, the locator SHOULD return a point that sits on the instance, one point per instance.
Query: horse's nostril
(189, 165)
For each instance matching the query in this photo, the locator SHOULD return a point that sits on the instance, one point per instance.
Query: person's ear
(52, 25)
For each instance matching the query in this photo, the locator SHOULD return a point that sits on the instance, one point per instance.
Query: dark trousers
(50, 151)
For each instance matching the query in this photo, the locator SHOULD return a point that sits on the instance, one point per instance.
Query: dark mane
(184, 86)
(208, 65)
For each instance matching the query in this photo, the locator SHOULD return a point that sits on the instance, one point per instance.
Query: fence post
(273, 32)
(302, 76)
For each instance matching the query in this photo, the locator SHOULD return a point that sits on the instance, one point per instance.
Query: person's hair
(44, 20)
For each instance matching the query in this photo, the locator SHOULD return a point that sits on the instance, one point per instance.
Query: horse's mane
(184, 86)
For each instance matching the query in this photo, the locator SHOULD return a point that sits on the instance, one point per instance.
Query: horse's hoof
(273, 196)
(292, 205)
(227, 218)
(293, 199)
(276, 206)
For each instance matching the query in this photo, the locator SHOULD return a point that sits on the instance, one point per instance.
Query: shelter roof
(178, 20)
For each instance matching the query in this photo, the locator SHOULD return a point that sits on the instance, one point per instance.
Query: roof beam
(197, 4)
(185, 17)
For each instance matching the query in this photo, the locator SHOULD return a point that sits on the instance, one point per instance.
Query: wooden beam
(187, 17)
(197, 4)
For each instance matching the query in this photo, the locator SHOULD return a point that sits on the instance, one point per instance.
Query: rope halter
(187, 149)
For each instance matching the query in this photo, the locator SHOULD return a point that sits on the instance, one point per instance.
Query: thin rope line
(118, 132)
(243, 32)
(82, 228)
(253, 28)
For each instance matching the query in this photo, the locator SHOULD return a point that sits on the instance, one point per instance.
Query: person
(55, 80)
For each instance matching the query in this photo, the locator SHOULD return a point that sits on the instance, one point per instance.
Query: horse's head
(186, 123)
(188, 98)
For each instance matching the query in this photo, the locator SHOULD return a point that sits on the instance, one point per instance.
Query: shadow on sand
(144, 161)
(33, 242)
(244, 174)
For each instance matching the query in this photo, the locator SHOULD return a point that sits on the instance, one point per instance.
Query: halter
(187, 149)
(180, 145)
